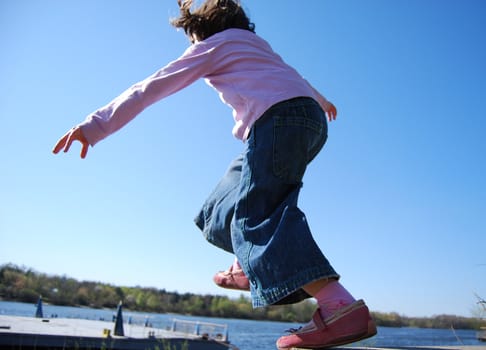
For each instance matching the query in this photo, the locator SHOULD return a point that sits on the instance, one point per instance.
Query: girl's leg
(270, 235)
(330, 296)
(214, 218)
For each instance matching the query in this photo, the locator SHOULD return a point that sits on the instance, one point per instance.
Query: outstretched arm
(193, 64)
(75, 134)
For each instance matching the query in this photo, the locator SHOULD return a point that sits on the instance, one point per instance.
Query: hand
(330, 110)
(75, 134)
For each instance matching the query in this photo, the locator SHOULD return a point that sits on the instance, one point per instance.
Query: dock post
(119, 322)
(38, 310)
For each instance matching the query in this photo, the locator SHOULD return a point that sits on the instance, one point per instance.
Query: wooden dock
(27, 333)
(460, 347)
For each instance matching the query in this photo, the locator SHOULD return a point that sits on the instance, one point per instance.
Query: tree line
(26, 285)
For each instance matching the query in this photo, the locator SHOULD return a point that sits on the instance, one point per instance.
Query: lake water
(254, 335)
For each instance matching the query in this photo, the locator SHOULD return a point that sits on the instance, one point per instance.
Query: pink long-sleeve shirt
(242, 67)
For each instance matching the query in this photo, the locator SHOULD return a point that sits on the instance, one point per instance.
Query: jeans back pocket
(298, 137)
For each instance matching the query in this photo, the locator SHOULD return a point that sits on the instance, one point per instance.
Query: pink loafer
(232, 279)
(348, 325)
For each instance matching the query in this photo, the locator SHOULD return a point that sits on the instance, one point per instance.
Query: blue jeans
(253, 211)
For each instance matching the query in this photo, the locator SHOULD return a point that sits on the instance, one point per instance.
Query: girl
(253, 211)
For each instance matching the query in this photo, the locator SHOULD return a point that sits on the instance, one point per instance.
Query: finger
(69, 142)
(84, 150)
(332, 113)
(60, 144)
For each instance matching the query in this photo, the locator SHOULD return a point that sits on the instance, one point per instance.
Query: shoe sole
(234, 288)
(342, 341)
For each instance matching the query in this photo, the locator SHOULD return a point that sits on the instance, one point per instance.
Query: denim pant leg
(253, 210)
(216, 214)
(270, 234)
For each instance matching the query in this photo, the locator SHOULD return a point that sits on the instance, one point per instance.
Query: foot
(233, 278)
(348, 325)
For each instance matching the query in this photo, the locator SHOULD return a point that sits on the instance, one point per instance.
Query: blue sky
(396, 200)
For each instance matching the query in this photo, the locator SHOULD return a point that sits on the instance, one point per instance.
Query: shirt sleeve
(192, 65)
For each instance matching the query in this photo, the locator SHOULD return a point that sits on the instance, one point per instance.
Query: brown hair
(212, 17)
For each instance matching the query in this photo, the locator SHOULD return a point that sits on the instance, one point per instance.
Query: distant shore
(26, 285)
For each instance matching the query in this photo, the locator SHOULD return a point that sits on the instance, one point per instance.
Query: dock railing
(204, 329)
